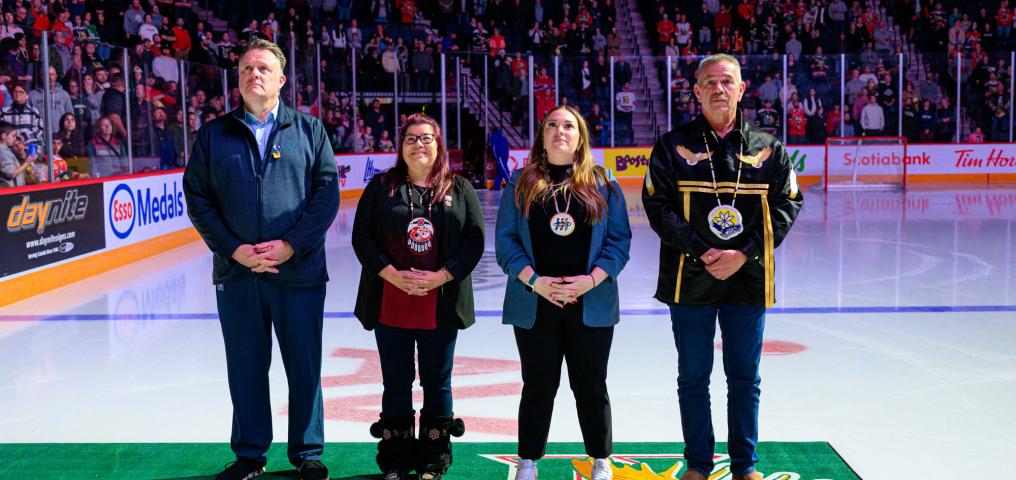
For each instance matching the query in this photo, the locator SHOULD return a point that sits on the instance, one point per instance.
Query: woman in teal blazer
(563, 237)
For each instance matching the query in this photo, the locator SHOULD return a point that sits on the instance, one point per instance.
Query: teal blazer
(611, 241)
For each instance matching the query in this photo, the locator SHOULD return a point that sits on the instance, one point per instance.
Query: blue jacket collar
(283, 118)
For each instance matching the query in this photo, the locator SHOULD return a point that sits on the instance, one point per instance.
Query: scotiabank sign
(927, 159)
(46, 226)
(142, 208)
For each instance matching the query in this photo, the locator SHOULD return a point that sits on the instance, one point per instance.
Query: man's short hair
(718, 58)
(256, 43)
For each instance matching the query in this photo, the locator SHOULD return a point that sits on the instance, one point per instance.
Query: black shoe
(313, 470)
(241, 469)
(394, 475)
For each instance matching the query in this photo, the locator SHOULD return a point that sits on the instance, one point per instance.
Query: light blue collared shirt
(260, 129)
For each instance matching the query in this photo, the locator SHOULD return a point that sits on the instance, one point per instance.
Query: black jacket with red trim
(678, 194)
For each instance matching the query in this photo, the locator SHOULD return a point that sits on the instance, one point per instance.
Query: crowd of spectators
(389, 41)
(814, 33)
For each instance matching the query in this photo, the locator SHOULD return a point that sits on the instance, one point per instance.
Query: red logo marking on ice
(365, 408)
(776, 347)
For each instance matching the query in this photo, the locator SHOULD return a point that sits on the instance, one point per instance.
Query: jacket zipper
(259, 172)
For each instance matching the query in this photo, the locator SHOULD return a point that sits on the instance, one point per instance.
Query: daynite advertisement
(141, 208)
(47, 226)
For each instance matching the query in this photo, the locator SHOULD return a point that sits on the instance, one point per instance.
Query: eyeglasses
(424, 139)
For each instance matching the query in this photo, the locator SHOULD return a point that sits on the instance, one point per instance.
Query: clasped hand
(263, 257)
(414, 281)
(562, 291)
(721, 264)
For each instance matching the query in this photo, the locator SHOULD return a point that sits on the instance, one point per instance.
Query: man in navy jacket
(262, 190)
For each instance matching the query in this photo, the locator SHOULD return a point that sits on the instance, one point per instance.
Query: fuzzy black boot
(396, 449)
(434, 448)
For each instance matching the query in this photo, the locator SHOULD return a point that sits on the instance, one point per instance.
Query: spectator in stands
(59, 101)
(911, 120)
(849, 126)
(998, 105)
(169, 138)
(625, 105)
(423, 66)
(114, 103)
(684, 102)
(665, 29)
(769, 90)
(16, 56)
(832, 121)
(182, 40)
(976, 136)
(862, 101)
(599, 126)
(25, 118)
(768, 118)
(793, 46)
(133, 17)
(945, 126)
(80, 106)
(12, 171)
(71, 138)
(59, 52)
(872, 119)
(796, 124)
(815, 127)
(8, 29)
(147, 30)
(622, 72)
(61, 171)
(108, 153)
(544, 91)
(613, 43)
(38, 165)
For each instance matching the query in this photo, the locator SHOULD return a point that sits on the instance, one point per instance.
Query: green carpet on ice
(494, 461)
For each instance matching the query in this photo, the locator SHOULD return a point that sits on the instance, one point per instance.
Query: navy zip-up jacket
(291, 194)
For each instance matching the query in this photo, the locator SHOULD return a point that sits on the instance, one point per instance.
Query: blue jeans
(741, 331)
(396, 347)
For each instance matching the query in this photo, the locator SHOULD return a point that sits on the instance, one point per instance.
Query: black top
(403, 251)
(556, 255)
(459, 228)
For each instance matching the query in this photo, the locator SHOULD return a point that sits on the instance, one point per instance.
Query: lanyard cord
(568, 196)
(423, 200)
(716, 189)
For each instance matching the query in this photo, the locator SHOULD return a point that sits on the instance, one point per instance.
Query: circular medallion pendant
(725, 222)
(562, 224)
(420, 235)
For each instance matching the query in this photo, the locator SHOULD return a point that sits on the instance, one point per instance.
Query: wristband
(532, 279)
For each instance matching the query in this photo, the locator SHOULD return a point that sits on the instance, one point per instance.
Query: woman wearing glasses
(418, 233)
(562, 238)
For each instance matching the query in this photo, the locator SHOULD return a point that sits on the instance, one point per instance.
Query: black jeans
(396, 347)
(586, 349)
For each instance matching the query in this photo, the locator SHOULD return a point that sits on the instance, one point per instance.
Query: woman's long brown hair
(441, 177)
(584, 183)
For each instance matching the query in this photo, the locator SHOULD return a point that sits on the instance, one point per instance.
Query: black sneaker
(241, 469)
(313, 470)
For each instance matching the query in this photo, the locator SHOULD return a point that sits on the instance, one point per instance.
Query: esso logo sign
(122, 211)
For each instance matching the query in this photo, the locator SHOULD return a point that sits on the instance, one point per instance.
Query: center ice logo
(627, 467)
